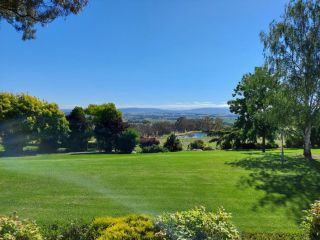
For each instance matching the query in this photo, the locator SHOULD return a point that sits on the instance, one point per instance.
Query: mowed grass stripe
(60, 187)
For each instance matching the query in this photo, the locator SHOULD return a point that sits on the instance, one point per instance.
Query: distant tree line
(182, 124)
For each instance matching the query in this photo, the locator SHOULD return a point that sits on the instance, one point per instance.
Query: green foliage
(227, 138)
(24, 118)
(197, 144)
(127, 141)
(53, 127)
(173, 144)
(108, 125)
(133, 227)
(13, 228)
(25, 15)
(252, 105)
(18, 115)
(71, 231)
(197, 224)
(153, 149)
(80, 130)
(291, 47)
(311, 221)
(294, 140)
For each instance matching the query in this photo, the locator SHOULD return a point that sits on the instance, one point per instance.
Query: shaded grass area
(293, 184)
(262, 194)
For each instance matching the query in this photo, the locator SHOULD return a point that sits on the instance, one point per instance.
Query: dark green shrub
(153, 149)
(127, 141)
(197, 224)
(197, 144)
(173, 144)
(72, 231)
(133, 227)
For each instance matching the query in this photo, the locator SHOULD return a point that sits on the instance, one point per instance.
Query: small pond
(193, 135)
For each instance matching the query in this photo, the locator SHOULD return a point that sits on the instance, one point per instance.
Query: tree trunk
(263, 144)
(307, 141)
(282, 151)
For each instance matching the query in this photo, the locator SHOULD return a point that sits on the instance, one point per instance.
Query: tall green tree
(292, 48)
(52, 127)
(108, 125)
(80, 130)
(252, 105)
(25, 118)
(24, 15)
(18, 116)
(281, 113)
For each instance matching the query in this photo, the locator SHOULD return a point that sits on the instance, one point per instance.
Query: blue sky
(146, 53)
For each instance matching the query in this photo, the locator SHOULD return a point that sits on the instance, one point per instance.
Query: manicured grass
(262, 194)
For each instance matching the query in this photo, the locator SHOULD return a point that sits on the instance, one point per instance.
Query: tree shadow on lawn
(294, 184)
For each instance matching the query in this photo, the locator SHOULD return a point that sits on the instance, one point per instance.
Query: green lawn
(262, 194)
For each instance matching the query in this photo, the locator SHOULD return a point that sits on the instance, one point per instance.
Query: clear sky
(145, 53)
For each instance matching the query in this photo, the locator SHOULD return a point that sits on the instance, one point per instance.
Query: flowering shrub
(311, 222)
(133, 227)
(197, 224)
(12, 228)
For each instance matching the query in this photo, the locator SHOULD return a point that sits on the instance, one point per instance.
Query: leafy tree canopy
(23, 15)
(292, 48)
(80, 130)
(252, 105)
(24, 118)
(108, 125)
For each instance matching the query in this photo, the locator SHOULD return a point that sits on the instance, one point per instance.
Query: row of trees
(284, 95)
(26, 120)
(182, 124)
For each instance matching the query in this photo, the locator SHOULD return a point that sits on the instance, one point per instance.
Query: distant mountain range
(136, 114)
(158, 111)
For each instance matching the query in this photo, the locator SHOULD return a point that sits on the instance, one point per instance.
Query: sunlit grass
(262, 194)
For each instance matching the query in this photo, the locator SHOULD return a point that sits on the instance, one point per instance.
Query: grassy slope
(262, 195)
